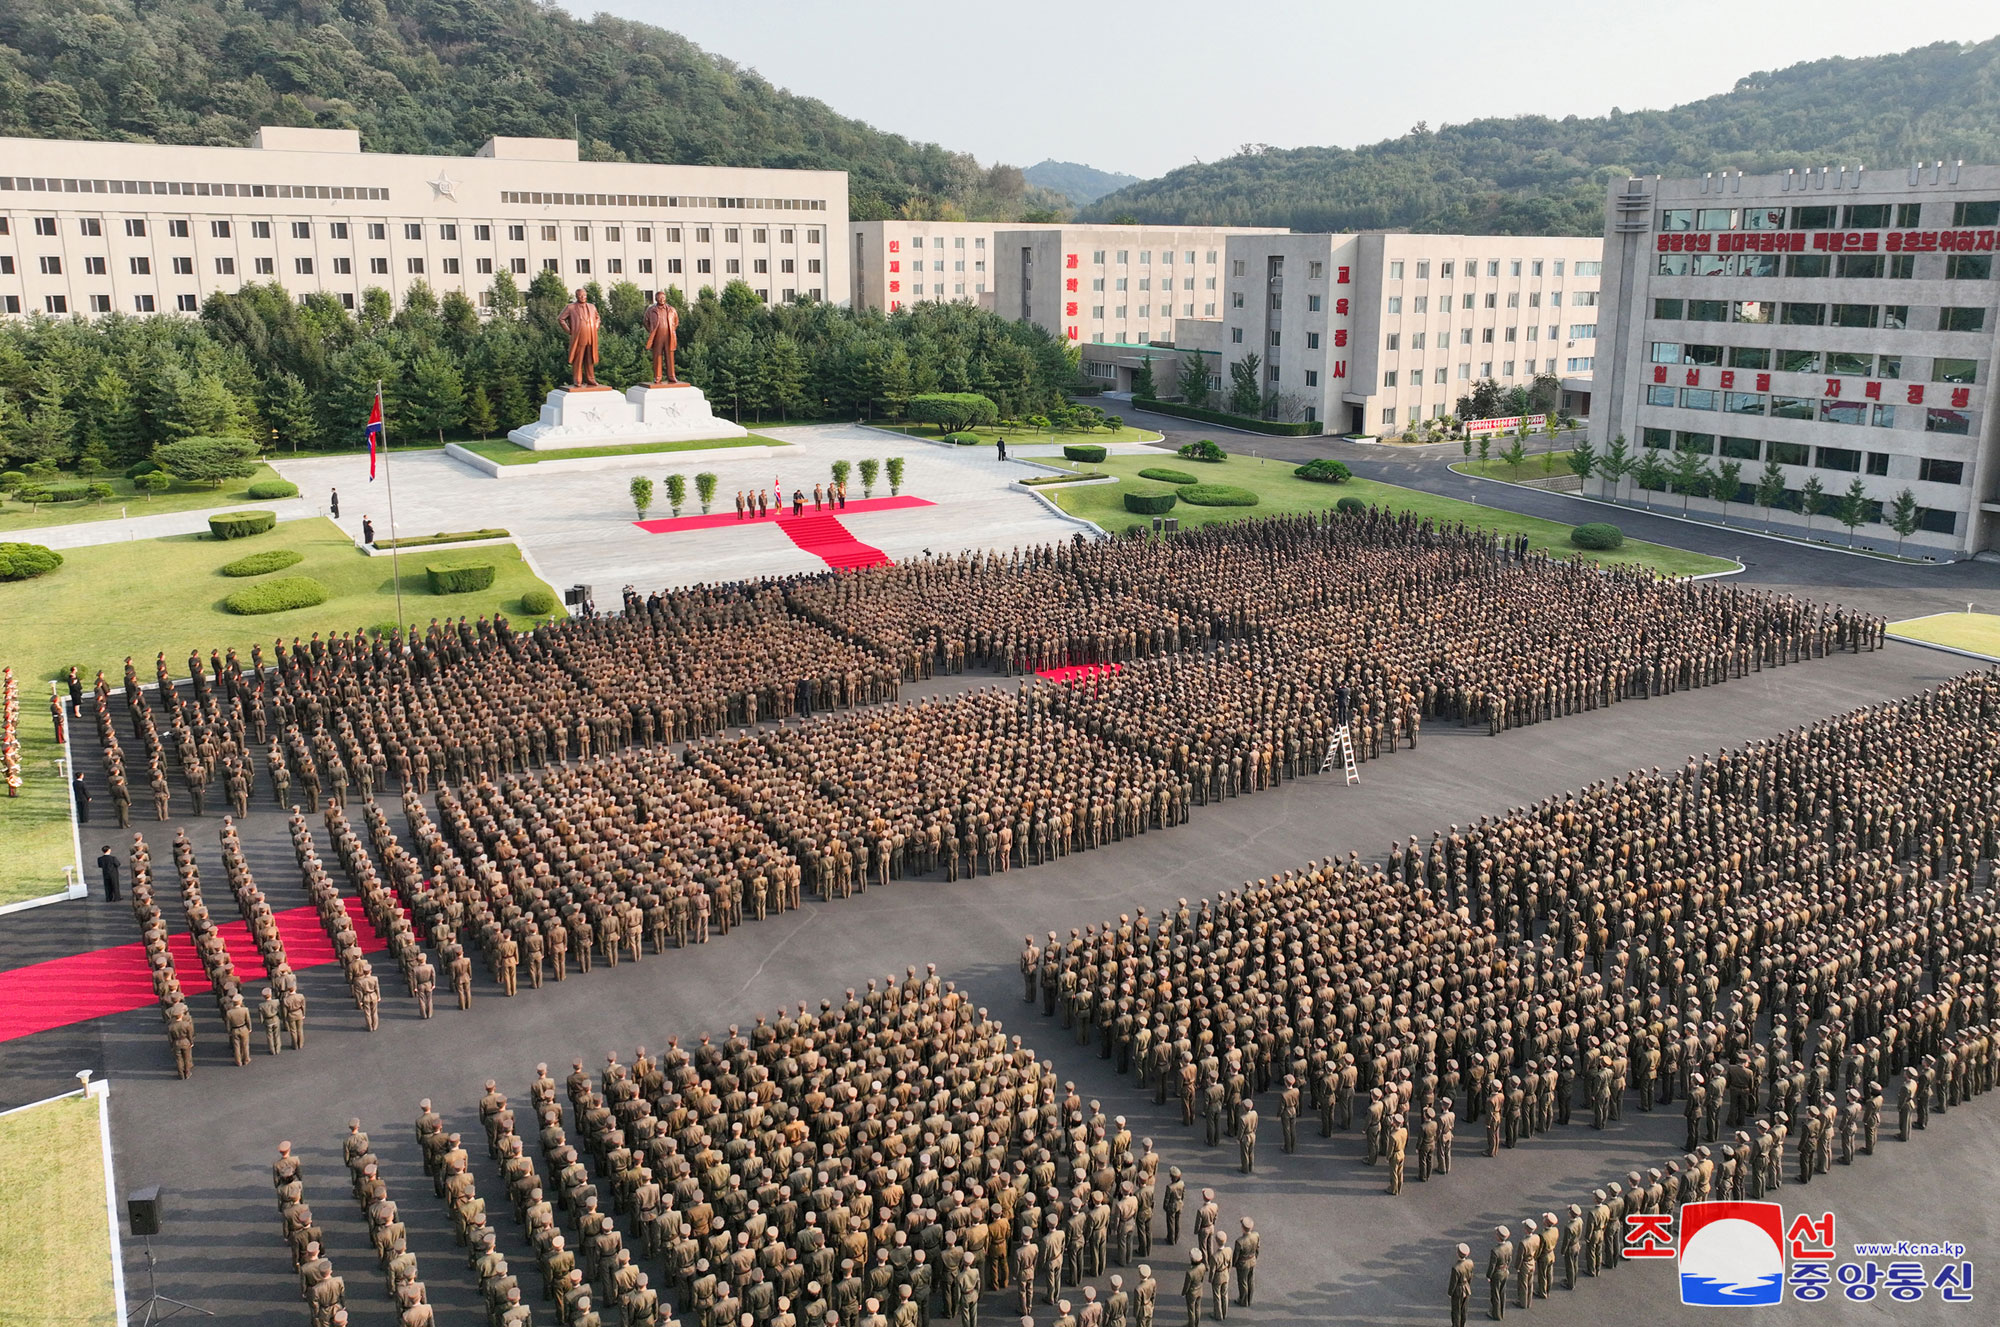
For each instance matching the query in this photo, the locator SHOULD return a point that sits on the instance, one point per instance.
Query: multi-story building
(894, 263)
(97, 227)
(1371, 333)
(1112, 284)
(1838, 323)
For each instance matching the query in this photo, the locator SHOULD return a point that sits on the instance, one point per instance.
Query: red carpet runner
(817, 532)
(1076, 672)
(116, 980)
(827, 539)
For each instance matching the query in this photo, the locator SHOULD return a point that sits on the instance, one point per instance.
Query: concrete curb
(1945, 649)
(1716, 525)
(43, 901)
(375, 552)
(1026, 487)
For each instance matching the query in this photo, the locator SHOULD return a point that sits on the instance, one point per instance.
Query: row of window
(189, 303)
(226, 266)
(1950, 318)
(957, 242)
(1827, 411)
(1840, 363)
(1824, 216)
(1123, 257)
(446, 230)
(1392, 377)
(1896, 266)
(1578, 299)
(1930, 469)
(1418, 340)
(182, 189)
(656, 201)
(1166, 310)
(1583, 267)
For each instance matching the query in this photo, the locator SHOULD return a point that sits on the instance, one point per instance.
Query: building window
(1235, 334)
(645, 267)
(1395, 304)
(1947, 421)
(264, 266)
(1312, 304)
(551, 265)
(134, 226)
(1961, 320)
(583, 267)
(415, 266)
(100, 304)
(1438, 377)
(1962, 371)
(673, 266)
(451, 266)
(302, 266)
(1803, 315)
(483, 266)
(343, 266)
(703, 266)
(1935, 470)
(187, 303)
(55, 303)
(1388, 378)
(762, 266)
(347, 300)
(1312, 378)
(93, 267)
(227, 266)
(732, 266)
(378, 266)
(1968, 266)
(517, 233)
(378, 230)
(1464, 372)
(142, 304)
(518, 266)
(51, 265)
(1896, 316)
(482, 232)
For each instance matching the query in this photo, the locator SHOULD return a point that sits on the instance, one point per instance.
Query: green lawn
(506, 453)
(1031, 437)
(34, 827)
(53, 1223)
(1539, 465)
(1977, 633)
(129, 501)
(140, 597)
(1282, 493)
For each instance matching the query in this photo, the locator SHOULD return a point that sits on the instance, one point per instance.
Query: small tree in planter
(895, 475)
(642, 494)
(841, 470)
(704, 485)
(677, 491)
(870, 469)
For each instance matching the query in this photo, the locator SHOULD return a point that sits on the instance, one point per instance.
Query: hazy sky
(1145, 87)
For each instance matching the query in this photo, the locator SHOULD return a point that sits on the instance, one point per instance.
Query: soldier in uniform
(1247, 1246)
(1458, 1285)
(273, 1016)
(1499, 1266)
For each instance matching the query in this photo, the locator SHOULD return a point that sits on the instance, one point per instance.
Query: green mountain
(441, 76)
(1080, 184)
(1532, 174)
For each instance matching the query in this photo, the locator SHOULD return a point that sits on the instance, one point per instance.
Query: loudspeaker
(142, 1206)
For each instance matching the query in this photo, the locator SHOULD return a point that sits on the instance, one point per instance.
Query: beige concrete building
(1837, 324)
(895, 263)
(96, 227)
(1113, 284)
(1369, 333)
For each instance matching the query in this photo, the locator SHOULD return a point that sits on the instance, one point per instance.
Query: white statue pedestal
(600, 417)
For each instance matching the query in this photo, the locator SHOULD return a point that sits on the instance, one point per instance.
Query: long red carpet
(116, 980)
(827, 539)
(1076, 672)
(716, 520)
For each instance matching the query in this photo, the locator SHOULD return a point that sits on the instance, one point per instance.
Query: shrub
(1149, 504)
(142, 468)
(1325, 470)
(1088, 453)
(24, 562)
(893, 467)
(952, 412)
(241, 524)
(99, 492)
(262, 564)
(538, 602)
(1217, 495)
(11, 480)
(870, 469)
(442, 537)
(962, 439)
(209, 460)
(1204, 450)
(1168, 476)
(157, 482)
(274, 488)
(1597, 535)
(276, 596)
(67, 493)
(1352, 506)
(460, 580)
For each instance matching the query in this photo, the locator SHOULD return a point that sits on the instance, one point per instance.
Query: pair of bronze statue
(581, 320)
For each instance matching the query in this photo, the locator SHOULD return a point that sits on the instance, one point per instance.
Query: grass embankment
(1538, 465)
(57, 1266)
(34, 827)
(1027, 437)
(128, 501)
(1977, 633)
(1281, 493)
(506, 453)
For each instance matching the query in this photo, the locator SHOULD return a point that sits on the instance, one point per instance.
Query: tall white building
(896, 263)
(98, 227)
(1839, 324)
(1112, 284)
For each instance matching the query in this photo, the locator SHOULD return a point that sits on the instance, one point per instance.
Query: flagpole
(395, 556)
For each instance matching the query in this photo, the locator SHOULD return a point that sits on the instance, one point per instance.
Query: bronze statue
(663, 322)
(580, 319)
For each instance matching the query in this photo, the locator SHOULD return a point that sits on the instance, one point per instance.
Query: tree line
(301, 374)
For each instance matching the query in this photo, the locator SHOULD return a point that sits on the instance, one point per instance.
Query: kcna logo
(1730, 1253)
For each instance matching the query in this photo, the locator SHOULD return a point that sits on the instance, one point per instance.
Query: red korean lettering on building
(1340, 336)
(1341, 278)
(1069, 260)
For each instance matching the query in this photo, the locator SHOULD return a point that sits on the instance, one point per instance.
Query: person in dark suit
(1003, 449)
(82, 793)
(333, 503)
(107, 866)
(367, 532)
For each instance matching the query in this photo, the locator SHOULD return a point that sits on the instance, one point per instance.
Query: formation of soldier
(1620, 942)
(323, 1289)
(880, 1160)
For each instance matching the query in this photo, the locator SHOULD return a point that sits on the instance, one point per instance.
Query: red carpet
(116, 980)
(1076, 672)
(827, 539)
(716, 520)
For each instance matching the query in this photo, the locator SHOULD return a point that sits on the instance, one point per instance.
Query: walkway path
(86, 533)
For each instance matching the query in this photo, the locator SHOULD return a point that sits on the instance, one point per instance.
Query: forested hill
(1531, 174)
(441, 76)
(1079, 183)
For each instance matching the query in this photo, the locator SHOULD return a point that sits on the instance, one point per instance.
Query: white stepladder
(1343, 745)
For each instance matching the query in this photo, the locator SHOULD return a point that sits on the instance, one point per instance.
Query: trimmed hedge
(241, 525)
(1325, 470)
(1217, 495)
(40, 493)
(1083, 452)
(460, 580)
(287, 592)
(262, 564)
(452, 537)
(962, 439)
(1149, 504)
(1352, 506)
(1597, 535)
(274, 488)
(538, 602)
(12, 479)
(1168, 476)
(24, 562)
(1204, 450)
(1278, 428)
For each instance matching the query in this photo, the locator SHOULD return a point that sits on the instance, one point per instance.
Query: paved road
(1336, 1249)
(1896, 589)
